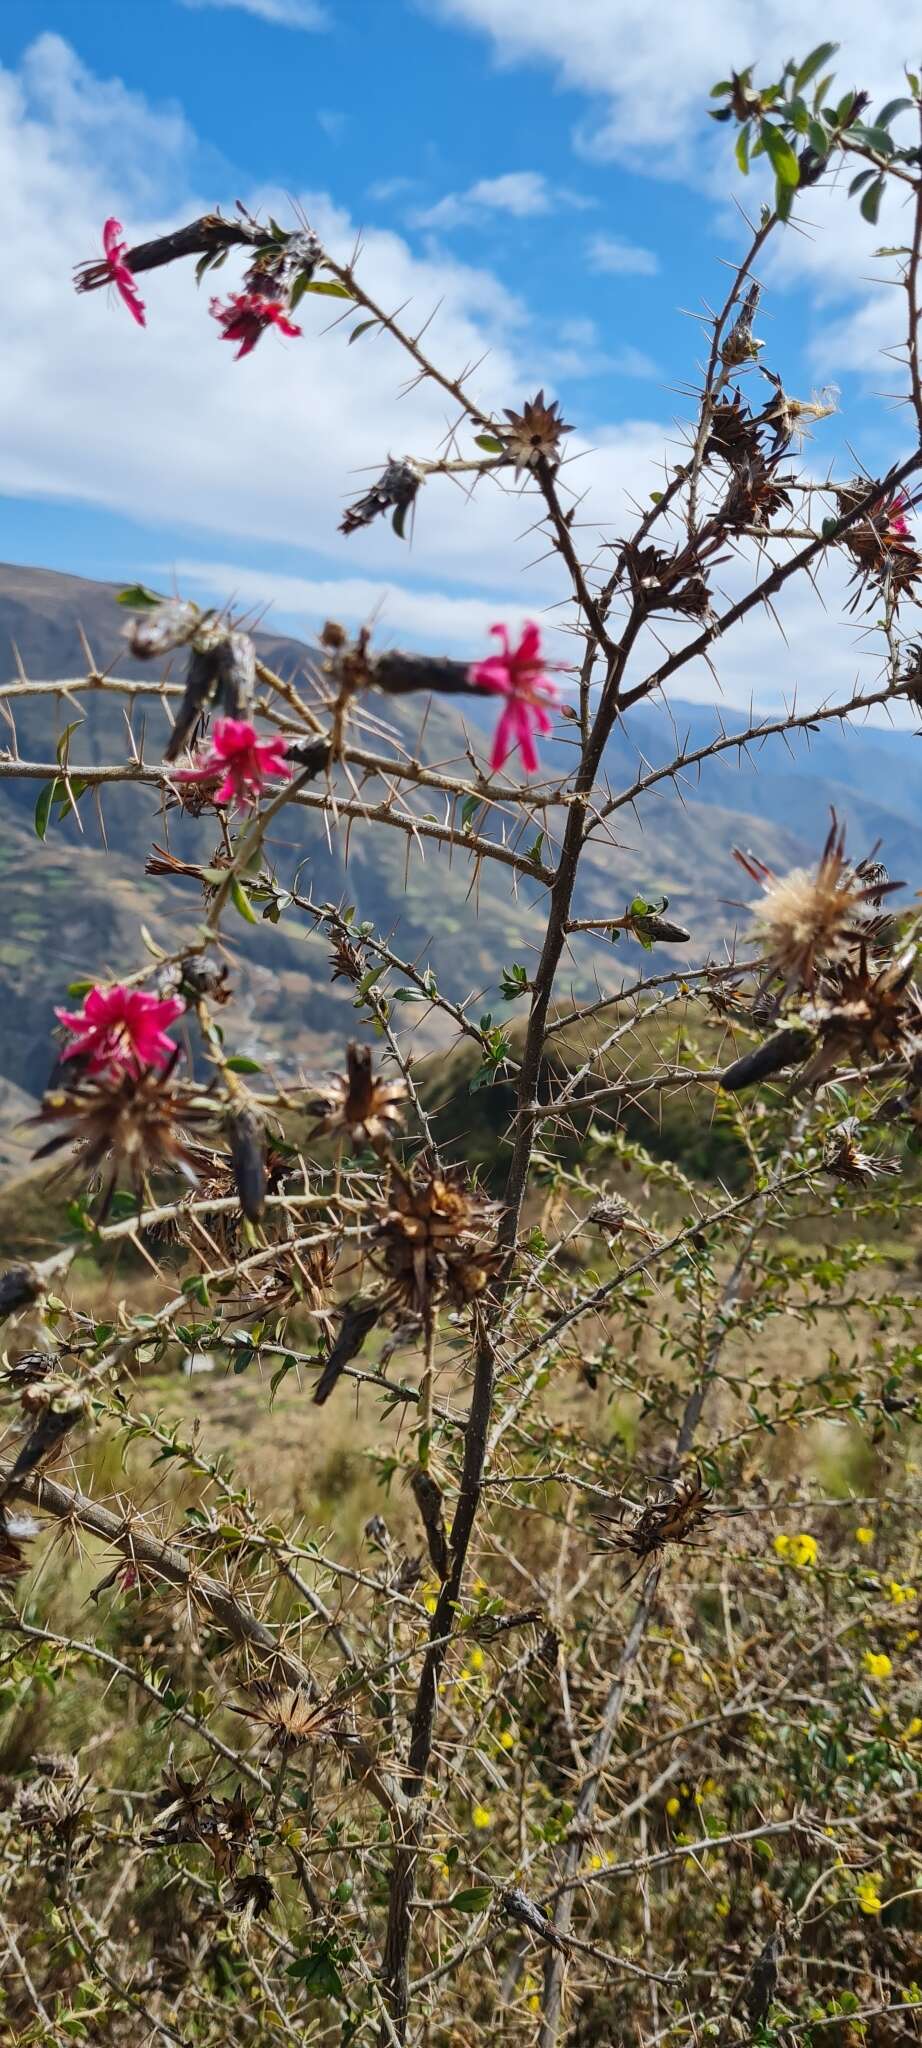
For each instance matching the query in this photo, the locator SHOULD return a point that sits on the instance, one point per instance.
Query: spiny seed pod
(784, 1049)
(428, 1498)
(236, 680)
(247, 1138)
(171, 624)
(201, 677)
(359, 1319)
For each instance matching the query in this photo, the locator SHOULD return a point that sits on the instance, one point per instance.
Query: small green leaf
(469, 810)
(399, 520)
(472, 1900)
(241, 901)
(723, 85)
(45, 800)
(489, 444)
(408, 995)
(818, 137)
(327, 287)
(364, 327)
(76, 989)
(137, 598)
(870, 204)
(812, 64)
(741, 150)
(780, 155)
(863, 178)
(890, 111)
(240, 1064)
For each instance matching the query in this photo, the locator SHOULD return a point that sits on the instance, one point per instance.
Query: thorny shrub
(610, 1726)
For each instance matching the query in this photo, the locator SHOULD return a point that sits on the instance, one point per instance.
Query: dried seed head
(866, 1016)
(845, 1161)
(535, 434)
(292, 1718)
(369, 1110)
(670, 1518)
(133, 1124)
(807, 922)
(438, 1239)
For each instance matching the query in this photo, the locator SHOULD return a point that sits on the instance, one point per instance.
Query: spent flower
(120, 273)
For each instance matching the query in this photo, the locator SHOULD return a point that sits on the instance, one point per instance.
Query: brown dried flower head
(356, 1103)
(865, 1016)
(670, 1518)
(292, 1719)
(136, 1125)
(845, 1160)
(535, 434)
(438, 1238)
(809, 921)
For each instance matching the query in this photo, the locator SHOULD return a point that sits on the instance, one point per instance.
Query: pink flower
(247, 315)
(240, 762)
(121, 276)
(518, 674)
(120, 1030)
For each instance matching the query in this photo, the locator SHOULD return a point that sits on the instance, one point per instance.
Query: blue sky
(562, 195)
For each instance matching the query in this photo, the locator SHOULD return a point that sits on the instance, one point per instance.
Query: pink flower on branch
(247, 315)
(519, 674)
(239, 762)
(120, 274)
(120, 1030)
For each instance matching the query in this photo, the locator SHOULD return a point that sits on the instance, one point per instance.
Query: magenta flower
(519, 675)
(247, 315)
(120, 274)
(120, 1030)
(240, 762)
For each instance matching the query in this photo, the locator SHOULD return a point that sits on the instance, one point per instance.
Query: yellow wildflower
(864, 1534)
(595, 1862)
(534, 2002)
(722, 1907)
(912, 1728)
(430, 1603)
(673, 1806)
(482, 1817)
(802, 1550)
(868, 1894)
(877, 1664)
(900, 1594)
(507, 1739)
(476, 1660)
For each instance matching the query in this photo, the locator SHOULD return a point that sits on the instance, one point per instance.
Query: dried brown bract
(881, 544)
(671, 1518)
(358, 1104)
(535, 434)
(438, 1240)
(135, 1125)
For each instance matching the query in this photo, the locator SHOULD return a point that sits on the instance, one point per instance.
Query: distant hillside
(72, 909)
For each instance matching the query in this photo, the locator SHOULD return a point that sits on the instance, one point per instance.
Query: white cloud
(279, 13)
(651, 68)
(520, 193)
(613, 256)
(166, 427)
(439, 618)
